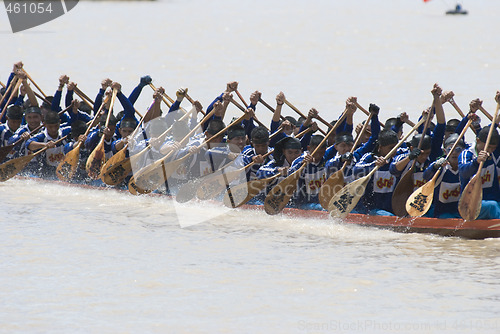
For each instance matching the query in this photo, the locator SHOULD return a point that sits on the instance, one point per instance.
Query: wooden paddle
(192, 103)
(84, 97)
(319, 118)
(68, 166)
(270, 108)
(97, 158)
(469, 204)
(153, 176)
(34, 83)
(16, 88)
(221, 179)
(420, 200)
(240, 194)
(244, 110)
(121, 168)
(10, 168)
(405, 187)
(12, 84)
(336, 181)
(163, 96)
(346, 199)
(487, 114)
(4, 150)
(280, 195)
(367, 113)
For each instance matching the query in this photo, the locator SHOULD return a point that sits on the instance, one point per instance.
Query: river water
(86, 260)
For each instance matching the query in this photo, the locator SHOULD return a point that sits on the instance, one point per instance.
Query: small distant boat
(457, 11)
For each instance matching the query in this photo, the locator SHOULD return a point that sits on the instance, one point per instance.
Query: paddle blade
(344, 201)
(5, 150)
(116, 158)
(280, 195)
(331, 186)
(240, 194)
(117, 173)
(420, 200)
(469, 204)
(401, 193)
(96, 161)
(134, 189)
(14, 166)
(67, 168)
(218, 182)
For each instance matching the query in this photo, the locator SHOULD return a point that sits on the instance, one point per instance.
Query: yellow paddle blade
(67, 168)
(218, 182)
(469, 204)
(116, 158)
(117, 173)
(344, 201)
(10, 168)
(331, 186)
(280, 195)
(420, 200)
(96, 160)
(240, 194)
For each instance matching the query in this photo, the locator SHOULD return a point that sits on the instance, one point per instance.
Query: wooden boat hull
(477, 229)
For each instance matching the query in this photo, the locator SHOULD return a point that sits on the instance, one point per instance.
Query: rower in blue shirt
(468, 164)
(447, 190)
(377, 199)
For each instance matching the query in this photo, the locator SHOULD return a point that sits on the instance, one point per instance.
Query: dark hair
(84, 107)
(483, 135)
(316, 140)
(291, 120)
(52, 117)
(78, 128)
(15, 112)
(452, 139)
(426, 143)
(215, 126)
(236, 130)
(344, 137)
(31, 110)
(451, 125)
(387, 137)
(112, 120)
(283, 144)
(260, 135)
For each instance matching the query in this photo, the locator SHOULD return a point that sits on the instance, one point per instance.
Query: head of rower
(448, 145)
(343, 143)
(236, 138)
(14, 117)
(313, 144)
(214, 127)
(260, 140)
(420, 154)
(386, 141)
(483, 153)
(33, 117)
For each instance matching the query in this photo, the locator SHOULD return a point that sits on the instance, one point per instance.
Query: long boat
(477, 229)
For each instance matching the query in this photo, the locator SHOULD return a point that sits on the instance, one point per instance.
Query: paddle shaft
(367, 113)
(18, 83)
(244, 110)
(270, 108)
(319, 118)
(34, 83)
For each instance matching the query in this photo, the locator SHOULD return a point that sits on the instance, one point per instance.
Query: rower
(8, 129)
(377, 199)
(344, 143)
(468, 163)
(447, 192)
(33, 117)
(49, 160)
(312, 176)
